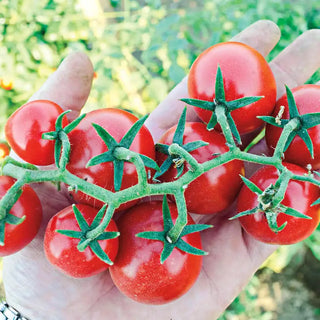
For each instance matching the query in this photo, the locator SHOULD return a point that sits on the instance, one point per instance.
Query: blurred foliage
(140, 51)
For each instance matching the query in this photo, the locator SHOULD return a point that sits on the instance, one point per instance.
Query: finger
(297, 62)
(69, 86)
(262, 35)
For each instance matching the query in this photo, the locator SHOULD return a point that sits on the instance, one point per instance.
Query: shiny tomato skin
(137, 271)
(86, 144)
(62, 252)
(28, 205)
(299, 195)
(245, 73)
(216, 189)
(25, 127)
(307, 99)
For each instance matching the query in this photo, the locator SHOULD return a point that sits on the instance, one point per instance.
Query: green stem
(288, 128)
(282, 184)
(222, 120)
(66, 149)
(182, 219)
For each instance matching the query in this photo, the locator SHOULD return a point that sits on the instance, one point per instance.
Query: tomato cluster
(134, 243)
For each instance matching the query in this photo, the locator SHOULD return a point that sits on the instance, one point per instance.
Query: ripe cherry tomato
(137, 271)
(245, 73)
(4, 150)
(6, 84)
(86, 144)
(216, 189)
(62, 251)
(307, 98)
(28, 205)
(25, 127)
(299, 196)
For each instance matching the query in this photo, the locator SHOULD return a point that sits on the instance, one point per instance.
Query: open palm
(36, 289)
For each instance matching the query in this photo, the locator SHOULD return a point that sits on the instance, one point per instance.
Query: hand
(38, 291)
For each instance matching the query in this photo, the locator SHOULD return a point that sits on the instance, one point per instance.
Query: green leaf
(203, 104)
(105, 136)
(251, 185)
(118, 173)
(178, 135)
(128, 138)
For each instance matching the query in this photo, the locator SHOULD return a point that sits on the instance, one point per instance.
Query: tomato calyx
(60, 135)
(301, 123)
(176, 159)
(113, 147)
(168, 242)
(226, 107)
(269, 202)
(89, 236)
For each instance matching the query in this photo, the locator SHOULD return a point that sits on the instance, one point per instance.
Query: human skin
(39, 291)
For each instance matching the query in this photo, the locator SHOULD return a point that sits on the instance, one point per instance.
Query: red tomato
(86, 144)
(307, 99)
(25, 127)
(28, 205)
(4, 150)
(62, 250)
(299, 196)
(245, 73)
(216, 189)
(137, 271)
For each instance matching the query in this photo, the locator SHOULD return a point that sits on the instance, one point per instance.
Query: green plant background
(140, 51)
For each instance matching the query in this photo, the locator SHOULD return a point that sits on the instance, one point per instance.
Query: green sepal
(242, 102)
(128, 138)
(272, 121)
(80, 219)
(101, 158)
(164, 167)
(178, 134)
(233, 128)
(97, 250)
(60, 119)
(310, 120)
(108, 235)
(2, 232)
(118, 174)
(168, 245)
(293, 110)
(71, 233)
(105, 136)
(219, 87)
(148, 162)
(191, 146)
(245, 213)
(163, 148)
(292, 212)
(304, 135)
(68, 128)
(212, 122)
(12, 219)
(202, 104)
(254, 188)
(272, 222)
(180, 170)
(57, 151)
